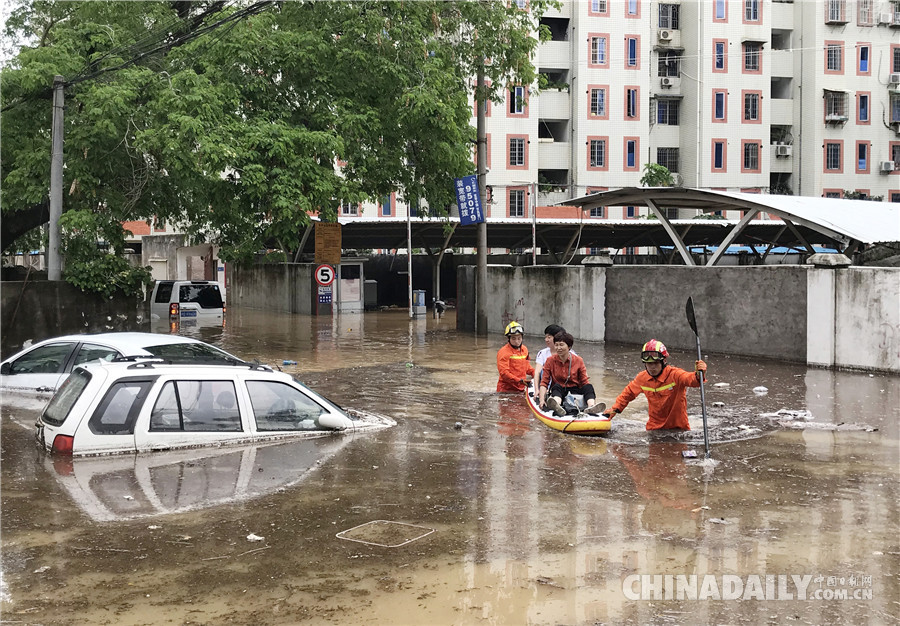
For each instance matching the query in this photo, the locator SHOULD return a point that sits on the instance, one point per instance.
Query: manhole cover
(385, 534)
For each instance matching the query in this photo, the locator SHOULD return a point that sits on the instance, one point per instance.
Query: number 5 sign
(324, 275)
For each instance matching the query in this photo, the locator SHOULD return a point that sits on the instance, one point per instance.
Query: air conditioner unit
(665, 81)
(782, 151)
(886, 18)
(894, 79)
(665, 35)
(887, 166)
(835, 118)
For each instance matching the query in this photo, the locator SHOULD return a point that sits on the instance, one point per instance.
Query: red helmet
(654, 350)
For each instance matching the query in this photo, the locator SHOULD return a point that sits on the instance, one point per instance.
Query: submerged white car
(149, 405)
(40, 369)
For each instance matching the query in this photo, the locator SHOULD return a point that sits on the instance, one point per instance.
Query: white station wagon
(149, 405)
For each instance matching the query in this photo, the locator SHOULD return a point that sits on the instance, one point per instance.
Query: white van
(186, 300)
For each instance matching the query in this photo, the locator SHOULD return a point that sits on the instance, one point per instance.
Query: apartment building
(744, 95)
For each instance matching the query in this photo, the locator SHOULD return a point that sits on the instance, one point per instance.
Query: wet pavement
(499, 521)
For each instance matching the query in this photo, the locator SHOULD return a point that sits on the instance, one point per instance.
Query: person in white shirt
(545, 353)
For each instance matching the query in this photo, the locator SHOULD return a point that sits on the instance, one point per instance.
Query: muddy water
(499, 521)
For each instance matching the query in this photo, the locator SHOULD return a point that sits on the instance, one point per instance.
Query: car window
(116, 413)
(190, 352)
(164, 292)
(206, 295)
(49, 359)
(64, 399)
(277, 406)
(93, 352)
(196, 405)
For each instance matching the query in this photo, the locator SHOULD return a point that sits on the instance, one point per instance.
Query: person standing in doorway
(512, 361)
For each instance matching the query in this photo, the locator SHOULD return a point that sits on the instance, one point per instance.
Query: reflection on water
(532, 526)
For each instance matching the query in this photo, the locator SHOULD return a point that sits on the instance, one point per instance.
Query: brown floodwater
(470, 511)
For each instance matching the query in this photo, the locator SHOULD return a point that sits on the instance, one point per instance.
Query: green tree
(233, 135)
(656, 175)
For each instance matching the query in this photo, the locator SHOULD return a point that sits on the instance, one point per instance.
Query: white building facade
(743, 95)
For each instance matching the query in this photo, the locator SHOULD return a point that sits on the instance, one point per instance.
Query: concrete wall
(37, 310)
(283, 287)
(830, 317)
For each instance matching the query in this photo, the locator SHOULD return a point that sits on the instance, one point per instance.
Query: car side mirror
(5, 369)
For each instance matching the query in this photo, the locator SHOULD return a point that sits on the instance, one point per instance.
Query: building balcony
(554, 155)
(782, 63)
(548, 198)
(554, 105)
(781, 159)
(783, 15)
(554, 55)
(781, 111)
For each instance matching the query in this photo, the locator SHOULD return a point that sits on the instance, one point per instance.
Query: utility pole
(54, 261)
(481, 298)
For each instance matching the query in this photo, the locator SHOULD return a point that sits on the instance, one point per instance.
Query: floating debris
(252, 537)
(722, 385)
(760, 391)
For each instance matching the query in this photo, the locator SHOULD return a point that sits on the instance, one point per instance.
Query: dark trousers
(558, 390)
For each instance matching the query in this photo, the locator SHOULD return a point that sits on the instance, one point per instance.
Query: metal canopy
(808, 221)
(835, 222)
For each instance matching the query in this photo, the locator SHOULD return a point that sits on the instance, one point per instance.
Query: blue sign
(468, 200)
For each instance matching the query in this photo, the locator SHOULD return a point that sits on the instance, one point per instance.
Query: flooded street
(470, 511)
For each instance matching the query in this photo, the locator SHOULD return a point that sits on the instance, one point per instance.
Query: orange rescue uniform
(513, 365)
(666, 397)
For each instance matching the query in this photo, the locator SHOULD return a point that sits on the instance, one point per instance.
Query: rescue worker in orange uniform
(665, 387)
(512, 361)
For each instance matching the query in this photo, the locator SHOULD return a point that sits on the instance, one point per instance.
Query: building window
(598, 211)
(751, 106)
(720, 57)
(829, 193)
(599, 51)
(863, 52)
(667, 112)
(631, 53)
(517, 203)
(895, 196)
(669, 64)
(630, 212)
(598, 102)
(349, 208)
(834, 57)
(668, 16)
(632, 101)
(386, 206)
(751, 151)
(865, 12)
(751, 57)
(720, 108)
(833, 156)
(837, 11)
(517, 152)
(633, 8)
(721, 11)
(751, 10)
(862, 157)
(631, 151)
(862, 108)
(895, 155)
(895, 108)
(835, 106)
(599, 7)
(668, 158)
(895, 59)
(517, 101)
(597, 154)
(718, 155)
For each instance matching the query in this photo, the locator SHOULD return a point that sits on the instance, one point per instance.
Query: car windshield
(64, 399)
(207, 296)
(190, 352)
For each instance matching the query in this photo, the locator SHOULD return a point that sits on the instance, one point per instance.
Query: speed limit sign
(324, 275)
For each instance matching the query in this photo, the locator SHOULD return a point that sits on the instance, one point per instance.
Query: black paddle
(689, 309)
